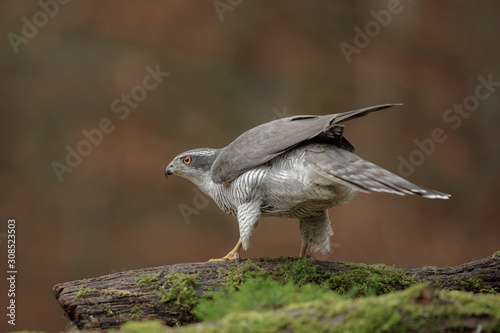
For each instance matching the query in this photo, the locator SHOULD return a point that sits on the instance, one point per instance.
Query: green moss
(147, 280)
(248, 286)
(108, 311)
(430, 267)
(152, 326)
(117, 293)
(295, 297)
(270, 259)
(179, 288)
(356, 280)
(235, 276)
(474, 284)
(418, 308)
(83, 290)
(254, 295)
(134, 314)
(496, 255)
(362, 280)
(106, 292)
(438, 283)
(256, 322)
(298, 271)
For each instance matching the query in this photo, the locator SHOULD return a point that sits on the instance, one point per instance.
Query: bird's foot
(230, 256)
(234, 254)
(303, 250)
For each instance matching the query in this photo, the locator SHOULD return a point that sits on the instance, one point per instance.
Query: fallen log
(169, 293)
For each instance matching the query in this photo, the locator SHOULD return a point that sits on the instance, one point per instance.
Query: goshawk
(295, 167)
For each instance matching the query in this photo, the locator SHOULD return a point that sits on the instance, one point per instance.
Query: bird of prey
(295, 167)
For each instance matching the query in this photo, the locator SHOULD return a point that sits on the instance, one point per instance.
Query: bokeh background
(230, 69)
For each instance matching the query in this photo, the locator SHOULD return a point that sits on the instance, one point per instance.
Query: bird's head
(194, 165)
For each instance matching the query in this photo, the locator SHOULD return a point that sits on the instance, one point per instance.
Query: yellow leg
(232, 255)
(303, 250)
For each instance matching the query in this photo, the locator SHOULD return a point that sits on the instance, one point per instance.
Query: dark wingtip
(382, 106)
(349, 115)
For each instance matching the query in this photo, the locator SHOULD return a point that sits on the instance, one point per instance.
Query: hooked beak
(169, 170)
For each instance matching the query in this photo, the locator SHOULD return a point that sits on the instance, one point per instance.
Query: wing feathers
(349, 115)
(262, 143)
(348, 169)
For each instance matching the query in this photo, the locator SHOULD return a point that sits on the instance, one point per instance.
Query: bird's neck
(204, 183)
(218, 193)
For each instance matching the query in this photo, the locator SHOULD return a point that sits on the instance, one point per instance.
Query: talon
(232, 255)
(228, 257)
(303, 250)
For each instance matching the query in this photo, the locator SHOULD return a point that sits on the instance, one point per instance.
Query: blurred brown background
(232, 68)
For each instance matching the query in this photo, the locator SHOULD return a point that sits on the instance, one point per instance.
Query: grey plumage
(295, 167)
(262, 143)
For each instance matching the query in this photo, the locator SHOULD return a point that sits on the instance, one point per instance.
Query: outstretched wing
(343, 167)
(262, 143)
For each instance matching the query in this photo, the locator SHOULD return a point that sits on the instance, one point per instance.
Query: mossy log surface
(166, 294)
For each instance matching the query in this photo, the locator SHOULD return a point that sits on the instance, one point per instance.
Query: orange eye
(187, 160)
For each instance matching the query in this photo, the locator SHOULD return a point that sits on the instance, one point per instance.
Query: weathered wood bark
(108, 301)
